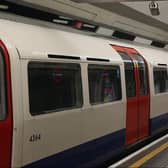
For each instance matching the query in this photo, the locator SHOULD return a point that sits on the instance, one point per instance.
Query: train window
(2, 88)
(104, 83)
(142, 68)
(129, 75)
(54, 87)
(160, 79)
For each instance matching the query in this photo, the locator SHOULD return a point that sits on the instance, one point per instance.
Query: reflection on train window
(129, 75)
(54, 87)
(104, 83)
(160, 79)
(3, 112)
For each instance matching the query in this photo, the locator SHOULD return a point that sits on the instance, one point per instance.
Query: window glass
(3, 112)
(129, 75)
(54, 87)
(104, 83)
(160, 79)
(142, 68)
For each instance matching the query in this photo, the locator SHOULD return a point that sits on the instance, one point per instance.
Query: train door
(5, 109)
(137, 90)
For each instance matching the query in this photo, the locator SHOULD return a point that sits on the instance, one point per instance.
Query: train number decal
(35, 138)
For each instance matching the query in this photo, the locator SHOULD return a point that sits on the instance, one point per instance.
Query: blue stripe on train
(159, 124)
(86, 155)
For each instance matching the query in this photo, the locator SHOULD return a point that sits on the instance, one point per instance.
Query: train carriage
(71, 100)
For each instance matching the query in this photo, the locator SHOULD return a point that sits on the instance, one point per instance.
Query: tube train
(72, 100)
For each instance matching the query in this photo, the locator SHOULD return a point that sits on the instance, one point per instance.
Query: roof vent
(63, 57)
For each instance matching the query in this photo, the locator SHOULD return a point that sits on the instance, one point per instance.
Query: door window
(2, 88)
(129, 75)
(142, 68)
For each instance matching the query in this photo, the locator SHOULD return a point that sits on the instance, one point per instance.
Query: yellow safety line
(149, 156)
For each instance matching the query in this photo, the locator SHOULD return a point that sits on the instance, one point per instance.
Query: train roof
(38, 42)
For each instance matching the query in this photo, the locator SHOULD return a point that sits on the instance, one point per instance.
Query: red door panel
(132, 98)
(143, 117)
(5, 144)
(131, 121)
(6, 123)
(138, 105)
(143, 94)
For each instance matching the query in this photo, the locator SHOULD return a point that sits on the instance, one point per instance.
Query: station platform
(154, 155)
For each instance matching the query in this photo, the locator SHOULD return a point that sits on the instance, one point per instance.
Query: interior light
(60, 21)
(4, 7)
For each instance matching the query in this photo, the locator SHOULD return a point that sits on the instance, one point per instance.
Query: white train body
(71, 135)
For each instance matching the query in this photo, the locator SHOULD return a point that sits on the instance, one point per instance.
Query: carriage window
(104, 83)
(2, 88)
(129, 75)
(54, 87)
(160, 79)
